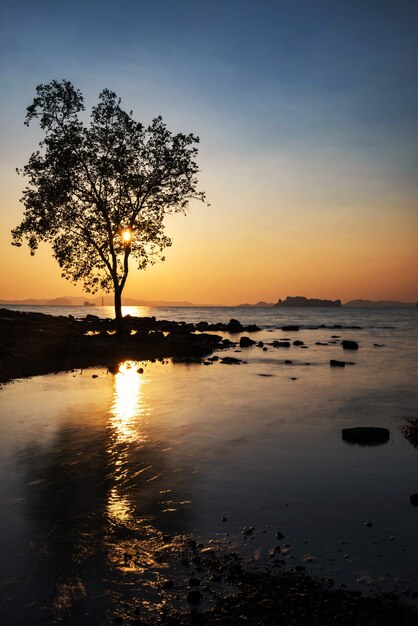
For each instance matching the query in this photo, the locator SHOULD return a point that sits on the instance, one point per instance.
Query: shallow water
(178, 447)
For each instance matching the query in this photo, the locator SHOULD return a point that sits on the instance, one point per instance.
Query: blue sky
(320, 92)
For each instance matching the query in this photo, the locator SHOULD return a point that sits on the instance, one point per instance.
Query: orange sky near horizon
(307, 118)
(257, 241)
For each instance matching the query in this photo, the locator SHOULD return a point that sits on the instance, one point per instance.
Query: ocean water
(87, 462)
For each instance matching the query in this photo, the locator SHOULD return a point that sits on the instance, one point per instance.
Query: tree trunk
(118, 309)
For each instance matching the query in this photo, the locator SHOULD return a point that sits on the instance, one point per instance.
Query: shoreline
(36, 343)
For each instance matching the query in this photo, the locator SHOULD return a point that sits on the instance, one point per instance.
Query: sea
(248, 457)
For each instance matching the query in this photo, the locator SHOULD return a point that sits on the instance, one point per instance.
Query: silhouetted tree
(99, 193)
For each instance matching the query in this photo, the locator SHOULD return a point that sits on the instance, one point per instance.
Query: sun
(126, 235)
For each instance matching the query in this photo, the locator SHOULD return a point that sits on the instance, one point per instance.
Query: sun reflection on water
(126, 423)
(118, 507)
(127, 408)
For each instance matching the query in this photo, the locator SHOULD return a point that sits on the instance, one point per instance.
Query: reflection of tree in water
(96, 497)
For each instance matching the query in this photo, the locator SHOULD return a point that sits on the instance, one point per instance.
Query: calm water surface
(86, 461)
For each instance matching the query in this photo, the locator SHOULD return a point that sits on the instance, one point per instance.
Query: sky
(307, 113)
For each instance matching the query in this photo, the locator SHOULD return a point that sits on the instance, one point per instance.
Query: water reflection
(127, 406)
(124, 424)
(94, 499)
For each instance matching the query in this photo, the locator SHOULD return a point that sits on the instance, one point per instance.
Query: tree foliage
(89, 184)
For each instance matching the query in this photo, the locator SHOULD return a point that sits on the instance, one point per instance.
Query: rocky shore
(197, 583)
(35, 343)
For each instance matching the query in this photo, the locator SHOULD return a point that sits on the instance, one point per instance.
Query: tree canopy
(99, 193)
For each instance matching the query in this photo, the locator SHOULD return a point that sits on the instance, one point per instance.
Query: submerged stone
(366, 435)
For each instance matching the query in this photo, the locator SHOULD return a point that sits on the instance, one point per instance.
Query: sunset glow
(306, 155)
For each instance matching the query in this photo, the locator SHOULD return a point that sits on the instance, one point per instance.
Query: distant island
(301, 301)
(261, 304)
(380, 303)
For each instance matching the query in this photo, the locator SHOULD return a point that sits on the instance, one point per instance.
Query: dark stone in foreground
(290, 328)
(349, 345)
(335, 363)
(414, 499)
(366, 435)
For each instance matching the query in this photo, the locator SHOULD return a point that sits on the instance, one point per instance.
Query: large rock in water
(366, 435)
(349, 345)
(234, 326)
(246, 342)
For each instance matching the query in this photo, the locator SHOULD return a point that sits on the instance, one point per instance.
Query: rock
(320, 343)
(260, 344)
(288, 362)
(230, 360)
(366, 435)
(349, 345)
(92, 318)
(414, 499)
(234, 326)
(248, 530)
(94, 376)
(281, 344)
(279, 535)
(290, 328)
(264, 349)
(368, 524)
(298, 342)
(335, 363)
(245, 342)
(201, 326)
(378, 345)
(252, 328)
